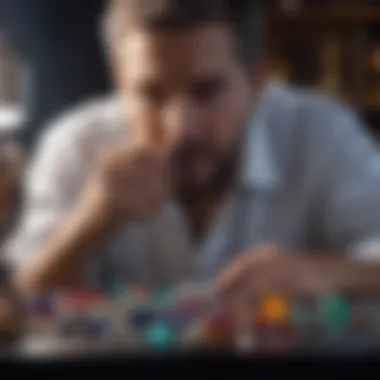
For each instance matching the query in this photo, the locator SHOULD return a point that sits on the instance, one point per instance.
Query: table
(50, 348)
(120, 364)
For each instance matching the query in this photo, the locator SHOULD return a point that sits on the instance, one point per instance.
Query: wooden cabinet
(331, 45)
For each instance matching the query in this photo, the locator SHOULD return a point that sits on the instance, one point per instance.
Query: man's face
(189, 91)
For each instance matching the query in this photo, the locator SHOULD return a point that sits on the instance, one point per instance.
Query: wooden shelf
(331, 46)
(329, 15)
(366, 104)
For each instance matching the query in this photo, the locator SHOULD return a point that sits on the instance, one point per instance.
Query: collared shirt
(310, 181)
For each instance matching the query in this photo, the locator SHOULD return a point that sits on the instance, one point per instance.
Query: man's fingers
(232, 278)
(244, 267)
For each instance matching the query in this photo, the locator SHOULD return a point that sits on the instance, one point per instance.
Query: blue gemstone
(160, 335)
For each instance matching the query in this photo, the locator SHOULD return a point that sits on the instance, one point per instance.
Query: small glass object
(335, 314)
(274, 308)
(160, 336)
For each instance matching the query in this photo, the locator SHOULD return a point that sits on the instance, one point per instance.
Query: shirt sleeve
(51, 188)
(352, 192)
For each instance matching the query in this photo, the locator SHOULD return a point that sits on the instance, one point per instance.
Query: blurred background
(50, 59)
(332, 45)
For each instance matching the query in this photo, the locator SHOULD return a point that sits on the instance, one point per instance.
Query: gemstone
(220, 329)
(160, 335)
(335, 312)
(274, 308)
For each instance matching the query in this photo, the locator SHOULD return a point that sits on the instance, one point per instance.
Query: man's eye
(152, 94)
(208, 91)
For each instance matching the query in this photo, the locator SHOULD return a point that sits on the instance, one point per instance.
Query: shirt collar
(259, 168)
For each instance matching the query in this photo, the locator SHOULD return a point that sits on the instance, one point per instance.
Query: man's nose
(182, 120)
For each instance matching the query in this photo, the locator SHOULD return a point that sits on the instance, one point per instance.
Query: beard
(190, 186)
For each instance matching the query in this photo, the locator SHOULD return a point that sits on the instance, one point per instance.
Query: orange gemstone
(274, 308)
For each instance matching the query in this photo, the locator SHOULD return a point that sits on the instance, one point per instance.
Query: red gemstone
(82, 299)
(220, 329)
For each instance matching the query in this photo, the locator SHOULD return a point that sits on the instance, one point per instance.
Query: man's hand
(130, 183)
(269, 269)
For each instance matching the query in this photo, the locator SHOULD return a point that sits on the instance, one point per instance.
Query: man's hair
(244, 17)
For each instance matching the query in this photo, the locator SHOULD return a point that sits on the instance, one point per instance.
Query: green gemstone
(335, 313)
(160, 335)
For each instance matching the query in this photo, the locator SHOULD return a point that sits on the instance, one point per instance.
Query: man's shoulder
(306, 130)
(91, 123)
(310, 115)
(303, 100)
(310, 104)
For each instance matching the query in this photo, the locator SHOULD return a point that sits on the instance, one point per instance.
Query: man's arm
(349, 218)
(273, 270)
(52, 188)
(350, 209)
(62, 261)
(125, 183)
(352, 206)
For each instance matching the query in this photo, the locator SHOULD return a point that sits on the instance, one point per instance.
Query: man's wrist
(96, 213)
(95, 218)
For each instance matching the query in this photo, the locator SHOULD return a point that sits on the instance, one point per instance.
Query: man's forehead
(191, 51)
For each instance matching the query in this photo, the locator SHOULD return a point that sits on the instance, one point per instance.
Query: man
(199, 170)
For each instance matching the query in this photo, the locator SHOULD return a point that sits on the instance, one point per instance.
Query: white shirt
(310, 180)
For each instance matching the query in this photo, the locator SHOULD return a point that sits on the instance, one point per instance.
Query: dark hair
(245, 17)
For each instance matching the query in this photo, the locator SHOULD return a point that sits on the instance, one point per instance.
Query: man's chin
(192, 189)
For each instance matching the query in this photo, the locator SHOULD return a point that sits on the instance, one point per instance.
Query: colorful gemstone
(220, 329)
(274, 308)
(336, 314)
(160, 335)
(80, 300)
